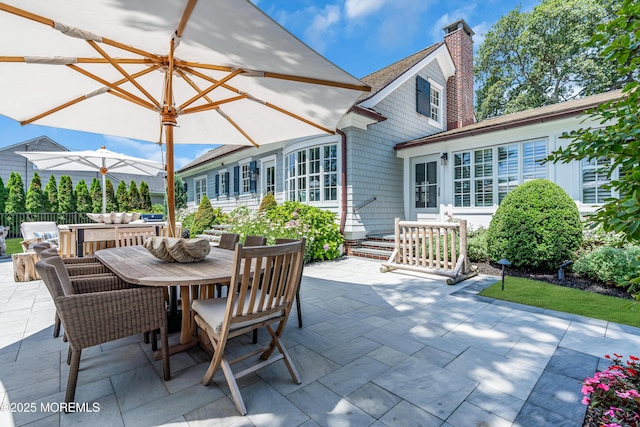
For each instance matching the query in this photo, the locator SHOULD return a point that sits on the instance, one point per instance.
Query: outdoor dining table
(136, 265)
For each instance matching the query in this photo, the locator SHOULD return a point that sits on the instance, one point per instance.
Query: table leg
(186, 340)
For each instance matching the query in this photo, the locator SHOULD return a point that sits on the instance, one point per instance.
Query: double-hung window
(200, 188)
(483, 177)
(312, 174)
(595, 180)
(429, 99)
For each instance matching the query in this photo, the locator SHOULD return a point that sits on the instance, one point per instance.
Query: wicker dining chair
(76, 268)
(100, 310)
(254, 301)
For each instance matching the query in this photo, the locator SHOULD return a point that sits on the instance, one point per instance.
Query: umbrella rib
(115, 86)
(191, 83)
(83, 60)
(136, 100)
(212, 105)
(268, 104)
(322, 82)
(123, 72)
(238, 128)
(188, 64)
(51, 23)
(185, 17)
(210, 88)
(295, 116)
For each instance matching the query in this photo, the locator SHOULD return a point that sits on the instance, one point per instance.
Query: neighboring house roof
(380, 79)
(33, 141)
(521, 118)
(211, 155)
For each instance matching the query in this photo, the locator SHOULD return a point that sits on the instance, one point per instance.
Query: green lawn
(568, 300)
(13, 246)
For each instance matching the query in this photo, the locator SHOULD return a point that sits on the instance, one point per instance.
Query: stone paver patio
(376, 349)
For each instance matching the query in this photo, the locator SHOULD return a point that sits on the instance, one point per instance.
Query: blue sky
(359, 36)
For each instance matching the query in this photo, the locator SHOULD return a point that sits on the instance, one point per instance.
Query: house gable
(440, 54)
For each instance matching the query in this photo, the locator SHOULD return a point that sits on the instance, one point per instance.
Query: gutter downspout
(343, 178)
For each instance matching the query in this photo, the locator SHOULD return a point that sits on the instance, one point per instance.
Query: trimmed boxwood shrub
(206, 216)
(537, 226)
(477, 250)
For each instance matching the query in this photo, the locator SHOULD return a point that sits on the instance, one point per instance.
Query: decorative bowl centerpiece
(114, 217)
(174, 249)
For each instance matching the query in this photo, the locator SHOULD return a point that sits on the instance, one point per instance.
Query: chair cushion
(213, 310)
(47, 236)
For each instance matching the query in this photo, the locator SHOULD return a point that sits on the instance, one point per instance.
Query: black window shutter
(423, 96)
(226, 183)
(217, 185)
(236, 179)
(253, 182)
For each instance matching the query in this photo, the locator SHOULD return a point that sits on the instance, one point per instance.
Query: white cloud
(358, 8)
(144, 150)
(320, 32)
(465, 13)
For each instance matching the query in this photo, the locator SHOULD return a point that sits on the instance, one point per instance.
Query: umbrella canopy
(102, 160)
(215, 71)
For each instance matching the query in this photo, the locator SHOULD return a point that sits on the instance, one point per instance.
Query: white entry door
(426, 190)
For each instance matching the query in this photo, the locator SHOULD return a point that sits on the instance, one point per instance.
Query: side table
(24, 267)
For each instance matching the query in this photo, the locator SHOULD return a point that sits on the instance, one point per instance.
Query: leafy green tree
(145, 197)
(50, 195)
(122, 197)
(3, 196)
(83, 198)
(536, 58)
(180, 194)
(134, 196)
(617, 135)
(205, 217)
(66, 197)
(96, 195)
(35, 199)
(15, 194)
(112, 204)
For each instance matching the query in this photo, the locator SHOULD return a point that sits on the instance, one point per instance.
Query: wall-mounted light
(443, 159)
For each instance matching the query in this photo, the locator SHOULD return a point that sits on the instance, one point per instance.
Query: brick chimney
(460, 105)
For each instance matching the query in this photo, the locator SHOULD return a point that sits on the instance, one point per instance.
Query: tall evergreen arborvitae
(96, 195)
(50, 195)
(34, 200)
(15, 194)
(3, 196)
(134, 197)
(83, 198)
(112, 204)
(180, 195)
(122, 197)
(145, 197)
(66, 197)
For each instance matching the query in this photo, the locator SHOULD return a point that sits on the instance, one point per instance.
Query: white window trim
(263, 170)
(221, 173)
(241, 163)
(614, 175)
(206, 183)
(305, 144)
(439, 88)
(494, 177)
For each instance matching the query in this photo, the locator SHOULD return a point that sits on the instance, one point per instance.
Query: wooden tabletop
(135, 264)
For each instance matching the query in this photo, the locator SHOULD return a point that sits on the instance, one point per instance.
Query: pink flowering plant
(613, 393)
(291, 220)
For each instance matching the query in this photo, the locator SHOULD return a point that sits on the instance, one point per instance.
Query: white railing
(437, 248)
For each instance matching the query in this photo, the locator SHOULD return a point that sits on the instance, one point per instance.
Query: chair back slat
(134, 237)
(261, 295)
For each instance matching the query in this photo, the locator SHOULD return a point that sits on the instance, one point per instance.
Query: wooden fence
(437, 248)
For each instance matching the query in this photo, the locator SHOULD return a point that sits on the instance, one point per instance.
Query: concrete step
(371, 253)
(378, 244)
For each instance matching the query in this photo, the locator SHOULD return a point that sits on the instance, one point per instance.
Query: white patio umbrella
(102, 160)
(208, 71)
